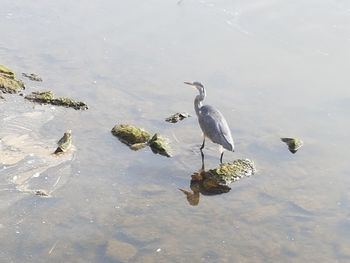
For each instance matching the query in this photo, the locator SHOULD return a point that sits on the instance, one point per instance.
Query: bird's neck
(198, 101)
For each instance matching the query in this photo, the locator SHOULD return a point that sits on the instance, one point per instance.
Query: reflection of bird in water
(212, 122)
(203, 183)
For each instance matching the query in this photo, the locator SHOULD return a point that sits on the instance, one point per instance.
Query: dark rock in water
(293, 144)
(8, 81)
(159, 145)
(48, 97)
(64, 143)
(32, 76)
(41, 193)
(177, 117)
(130, 135)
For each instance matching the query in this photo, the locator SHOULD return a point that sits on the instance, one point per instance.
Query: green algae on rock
(48, 97)
(227, 173)
(130, 135)
(293, 144)
(177, 117)
(137, 138)
(8, 81)
(64, 143)
(32, 77)
(159, 145)
(5, 70)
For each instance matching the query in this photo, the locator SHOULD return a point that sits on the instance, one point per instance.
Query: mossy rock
(130, 135)
(177, 117)
(6, 71)
(294, 144)
(8, 81)
(159, 145)
(227, 173)
(48, 97)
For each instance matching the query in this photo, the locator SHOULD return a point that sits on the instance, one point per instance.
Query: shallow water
(274, 69)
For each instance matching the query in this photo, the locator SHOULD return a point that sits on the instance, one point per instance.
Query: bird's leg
(203, 143)
(222, 153)
(202, 154)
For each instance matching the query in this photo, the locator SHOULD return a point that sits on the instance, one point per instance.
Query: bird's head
(199, 86)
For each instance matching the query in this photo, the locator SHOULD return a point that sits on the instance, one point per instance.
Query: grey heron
(212, 122)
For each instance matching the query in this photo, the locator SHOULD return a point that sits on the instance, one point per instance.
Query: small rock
(41, 193)
(159, 145)
(120, 251)
(293, 144)
(177, 117)
(32, 76)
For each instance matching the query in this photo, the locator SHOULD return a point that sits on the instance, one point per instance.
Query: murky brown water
(274, 68)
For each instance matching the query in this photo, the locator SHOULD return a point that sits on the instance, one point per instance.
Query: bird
(213, 124)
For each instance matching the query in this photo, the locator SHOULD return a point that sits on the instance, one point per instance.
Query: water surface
(274, 68)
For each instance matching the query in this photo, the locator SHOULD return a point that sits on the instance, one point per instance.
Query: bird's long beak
(188, 83)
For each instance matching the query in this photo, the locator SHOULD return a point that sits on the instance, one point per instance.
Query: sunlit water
(274, 68)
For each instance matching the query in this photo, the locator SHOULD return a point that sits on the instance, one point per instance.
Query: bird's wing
(215, 127)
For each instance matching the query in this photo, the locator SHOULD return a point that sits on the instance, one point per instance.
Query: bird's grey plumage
(211, 121)
(215, 127)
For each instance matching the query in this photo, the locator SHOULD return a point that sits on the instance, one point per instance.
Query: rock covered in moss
(159, 145)
(48, 97)
(294, 144)
(137, 138)
(130, 135)
(8, 81)
(227, 173)
(177, 117)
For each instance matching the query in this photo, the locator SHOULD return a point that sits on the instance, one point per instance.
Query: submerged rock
(120, 251)
(177, 117)
(8, 81)
(32, 76)
(131, 135)
(159, 145)
(48, 97)
(64, 143)
(293, 144)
